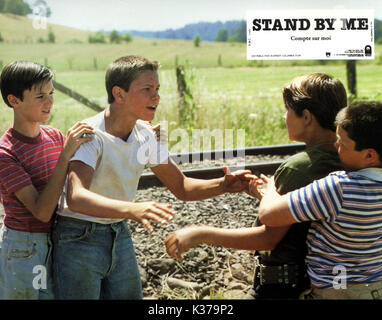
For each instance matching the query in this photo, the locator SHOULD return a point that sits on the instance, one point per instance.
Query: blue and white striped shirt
(346, 208)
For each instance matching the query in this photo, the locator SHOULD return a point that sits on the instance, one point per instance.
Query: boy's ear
(307, 116)
(13, 100)
(372, 158)
(118, 94)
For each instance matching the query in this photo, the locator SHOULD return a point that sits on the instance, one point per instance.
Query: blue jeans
(25, 265)
(94, 261)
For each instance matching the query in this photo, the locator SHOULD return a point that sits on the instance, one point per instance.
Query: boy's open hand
(255, 184)
(236, 181)
(180, 241)
(143, 212)
(74, 138)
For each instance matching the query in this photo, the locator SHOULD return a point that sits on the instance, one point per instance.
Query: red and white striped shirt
(25, 161)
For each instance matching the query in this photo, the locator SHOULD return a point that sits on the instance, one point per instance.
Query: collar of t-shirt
(371, 173)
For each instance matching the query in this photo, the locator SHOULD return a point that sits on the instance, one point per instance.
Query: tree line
(114, 37)
(21, 8)
(18, 7)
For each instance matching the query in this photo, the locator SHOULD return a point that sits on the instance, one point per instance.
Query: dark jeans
(94, 261)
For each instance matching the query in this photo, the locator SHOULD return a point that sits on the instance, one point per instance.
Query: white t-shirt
(117, 164)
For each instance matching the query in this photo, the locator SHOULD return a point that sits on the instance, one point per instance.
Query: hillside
(19, 29)
(207, 31)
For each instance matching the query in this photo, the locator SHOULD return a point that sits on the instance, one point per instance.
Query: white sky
(156, 15)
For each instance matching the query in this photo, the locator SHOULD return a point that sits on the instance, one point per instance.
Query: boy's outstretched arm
(190, 189)
(254, 238)
(81, 199)
(274, 208)
(43, 204)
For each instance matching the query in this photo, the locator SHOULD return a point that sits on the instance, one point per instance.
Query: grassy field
(239, 94)
(226, 98)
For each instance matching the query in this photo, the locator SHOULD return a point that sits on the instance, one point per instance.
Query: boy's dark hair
(362, 120)
(125, 70)
(319, 93)
(19, 76)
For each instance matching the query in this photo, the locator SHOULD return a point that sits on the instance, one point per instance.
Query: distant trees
(97, 37)
(127, 37)
(22, 8)
(51, 36)
(222, 35)
(18, 7)
(237, 35)
(197, 40)
(378, 31)
(114, 37)
(241, 33)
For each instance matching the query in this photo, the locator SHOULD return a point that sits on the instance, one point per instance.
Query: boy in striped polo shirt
(345, 238)
(33, 165)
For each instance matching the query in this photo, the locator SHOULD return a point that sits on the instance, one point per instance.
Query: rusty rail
(148, 180)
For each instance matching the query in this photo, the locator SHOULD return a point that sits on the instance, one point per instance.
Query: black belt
(281, 274)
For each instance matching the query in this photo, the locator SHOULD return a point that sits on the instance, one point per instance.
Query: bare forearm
(92, 204)
(252, 238)
(45, 202)
(199, 189)
(274, 210)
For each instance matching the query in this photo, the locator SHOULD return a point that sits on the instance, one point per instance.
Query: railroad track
(150, 180)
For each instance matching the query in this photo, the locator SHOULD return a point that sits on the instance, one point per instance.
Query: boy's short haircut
(362, 121)
(125, 70)
(19, 76)
(319, 93)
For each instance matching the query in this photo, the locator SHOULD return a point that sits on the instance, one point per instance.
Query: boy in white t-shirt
(94, 256)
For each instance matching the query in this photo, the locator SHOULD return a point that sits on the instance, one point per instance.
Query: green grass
(240, 94)
(19, 29)
(226, 98)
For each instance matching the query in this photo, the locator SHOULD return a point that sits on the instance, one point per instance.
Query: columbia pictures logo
(368, 51)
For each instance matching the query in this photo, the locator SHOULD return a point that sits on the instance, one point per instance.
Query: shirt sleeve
(13, 176)
(320, 200)
(288, 179)
(89, 152)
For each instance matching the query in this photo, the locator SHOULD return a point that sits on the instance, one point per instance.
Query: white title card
(310, 34)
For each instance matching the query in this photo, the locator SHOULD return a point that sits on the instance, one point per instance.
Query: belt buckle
(285, 274)
(271, 274)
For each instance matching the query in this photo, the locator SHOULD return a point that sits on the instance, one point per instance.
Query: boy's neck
(31, 130)
(117, 123)
(325, 140)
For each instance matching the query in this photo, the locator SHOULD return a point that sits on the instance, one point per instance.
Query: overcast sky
(156, 15)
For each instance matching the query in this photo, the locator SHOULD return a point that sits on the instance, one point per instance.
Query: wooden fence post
(181, 82)
(75, 95)
(220, 60)
(351, 76)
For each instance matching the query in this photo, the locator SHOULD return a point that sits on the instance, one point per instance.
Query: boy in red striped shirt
(33, 165)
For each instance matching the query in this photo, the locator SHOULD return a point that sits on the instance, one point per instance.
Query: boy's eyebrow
(42, 92)
(148, 85)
